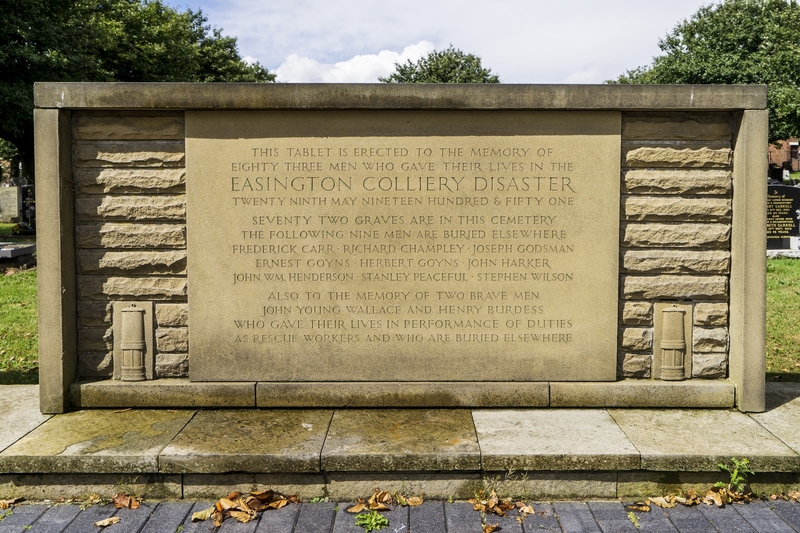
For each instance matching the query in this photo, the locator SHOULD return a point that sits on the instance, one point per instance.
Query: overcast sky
(523, 41)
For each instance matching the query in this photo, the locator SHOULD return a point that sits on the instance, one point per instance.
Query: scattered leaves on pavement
(243, 507)
(490, 528)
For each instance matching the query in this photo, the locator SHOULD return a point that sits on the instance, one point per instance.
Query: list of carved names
(429, 244)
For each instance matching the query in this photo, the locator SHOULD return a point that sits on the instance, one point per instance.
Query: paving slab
(20, 517)
(57, 518)
(688, 520)
(789, 511)
(654, 521)
(19, 413)
(427, 518)
(576, 517)
(698, 440)
(782, 417)
(316, 517)
(168, 516)
(533, 439)
(101, 441)
(612, 517)
(132, 520)
(543, 519)
(726, 519)
(762, 518)
(254, 441)
(460, 517)
(86, 518)
(278, 520)
(401, 440)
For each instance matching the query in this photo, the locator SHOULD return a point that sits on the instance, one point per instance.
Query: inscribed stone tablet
(402, 245)
(9, 203)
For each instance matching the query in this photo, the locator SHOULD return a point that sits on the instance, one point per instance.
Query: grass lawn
(783, 320)
(19, 338)
(5, 228)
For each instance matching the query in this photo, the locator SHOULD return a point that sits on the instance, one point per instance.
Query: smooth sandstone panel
(330, 241)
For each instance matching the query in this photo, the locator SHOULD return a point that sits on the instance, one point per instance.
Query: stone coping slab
(102, 441)
(20, 413)
(401, 440)
(162, 393)
(717, 394)
(405, 394)
(179, 392)
(696, 440)
(257, 441)
(80, 95)
(552, 439)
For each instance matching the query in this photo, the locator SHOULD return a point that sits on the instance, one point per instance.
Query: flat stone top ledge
(61, 95)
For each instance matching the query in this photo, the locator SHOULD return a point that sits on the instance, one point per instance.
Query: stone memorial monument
(281, 245)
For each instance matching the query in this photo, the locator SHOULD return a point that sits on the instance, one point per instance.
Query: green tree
(448, 66)
(732, 42)
(109, 40)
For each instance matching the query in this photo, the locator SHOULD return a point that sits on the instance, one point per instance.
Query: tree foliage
(105, 40)
(736, 41)
(448, 66)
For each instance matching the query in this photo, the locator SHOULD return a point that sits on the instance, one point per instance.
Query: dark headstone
(783, 214)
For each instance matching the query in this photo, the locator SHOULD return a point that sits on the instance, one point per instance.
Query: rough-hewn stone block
(646, 235)
(636, 365)
(710, 339)
(709, 365)
(671, 286)
(669, 181)
(172, 339)
(636, 339)
(676, 261)
(172, 315)
(637, 313)
(131, 208)
(95, 339)
(676, 208)
(128, 153)
(680, 157)
(710, 314)
(94, 314)
(119, 288)
(677, 126)
(95, 365)
(172, 365)
(87, 126)
(123, 180)
(134, 262)
(130, 236)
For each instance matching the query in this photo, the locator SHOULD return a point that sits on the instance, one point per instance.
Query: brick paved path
(431, 517)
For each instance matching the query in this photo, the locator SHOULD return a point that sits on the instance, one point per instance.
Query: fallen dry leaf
(233, 495)
(242, 516)
(490, 528)
(107, 522)
(205, 514)
(379, 506)
(5, 504)
(638, 507)
(414, 501)
(357, 508)
(121, 500)
(662, 502)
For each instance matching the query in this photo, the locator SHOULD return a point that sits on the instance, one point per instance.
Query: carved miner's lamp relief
(672, 354)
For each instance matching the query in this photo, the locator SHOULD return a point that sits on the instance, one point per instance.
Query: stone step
(345, 453)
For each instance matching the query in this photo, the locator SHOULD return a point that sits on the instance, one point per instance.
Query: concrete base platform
(553, 453)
